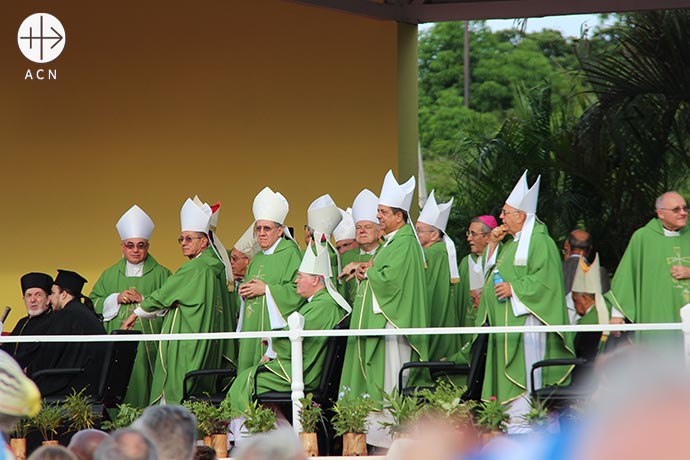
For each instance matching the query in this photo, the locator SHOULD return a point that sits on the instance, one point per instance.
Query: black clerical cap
(36, 280)
(70, 280)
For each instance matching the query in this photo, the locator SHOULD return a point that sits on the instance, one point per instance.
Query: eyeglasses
(676, 210)
(188, 239)
(140, 245)
(421, 230)
(505, 213)
(475, 234)
(263, 228)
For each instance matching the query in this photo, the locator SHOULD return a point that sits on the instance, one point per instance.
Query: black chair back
(117, 369)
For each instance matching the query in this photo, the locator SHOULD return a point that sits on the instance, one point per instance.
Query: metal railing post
(296, 325)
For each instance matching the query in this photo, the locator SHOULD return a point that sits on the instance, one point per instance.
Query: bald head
(672, 211)
(578, 242)
(85, 442)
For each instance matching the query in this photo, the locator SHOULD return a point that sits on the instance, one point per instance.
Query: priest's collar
(671, 232)
(272, 249)
(389, 236)
(134, 269)
(371, 253)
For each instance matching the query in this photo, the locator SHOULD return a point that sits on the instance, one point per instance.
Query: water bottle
(498, 279)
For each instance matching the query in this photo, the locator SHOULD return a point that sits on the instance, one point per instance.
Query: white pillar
(296, 325)
(685, 327)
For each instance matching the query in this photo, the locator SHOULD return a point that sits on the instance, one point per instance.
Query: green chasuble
(349, 289)
(539, 286)
(442, 300)
(643, 288)
(278, 271)
(321, 312)
(398, 282)
(113, 280)
(195, 293)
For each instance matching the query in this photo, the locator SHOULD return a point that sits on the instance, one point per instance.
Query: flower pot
(219, 442)
(310, 444)
(52, 442)
(18, 446)
(354, 444)
(487, 436)
(207, 441)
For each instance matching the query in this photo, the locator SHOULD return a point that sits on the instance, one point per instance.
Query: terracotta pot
(354, 444)
(207, 441)
(52, 442)
(18, 446)
(487, 436)
(219, 442)
(310, 444)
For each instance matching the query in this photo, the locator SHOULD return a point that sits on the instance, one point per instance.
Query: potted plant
(79, 411)
(446, 401)
(258, 418)
(310, 415)
(538, 416)
(126, 415)
(18, 439)
(402, 409)
(350, 421)
(492, 417)
(202, 411)
(219, 420)
(47, 422)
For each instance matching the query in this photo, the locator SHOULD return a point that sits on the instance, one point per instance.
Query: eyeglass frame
(676, 210)
(188, 239)
(131, 246)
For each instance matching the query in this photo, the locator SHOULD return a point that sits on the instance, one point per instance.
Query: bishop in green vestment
(442, 276)
(269, 292)
(531, 294)
(122, 286)
(320, 312)
(652, 281)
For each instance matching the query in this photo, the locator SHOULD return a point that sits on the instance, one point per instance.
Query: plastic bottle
(498, 279)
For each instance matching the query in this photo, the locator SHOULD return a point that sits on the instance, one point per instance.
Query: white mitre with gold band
(273, 206)
(319, 264)
(346, 228)
(588, 280)
(437, 215)
(525, 199)
(135, 223)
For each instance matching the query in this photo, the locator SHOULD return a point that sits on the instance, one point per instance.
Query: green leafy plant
(310, 414)
(350, 413)
(403, 409)
(48, 420)
(126, 415)
(492, 415)
(22, 428)
(259, 419)
(203, 411)
(538, 415)
(79, 411)
(446, 400)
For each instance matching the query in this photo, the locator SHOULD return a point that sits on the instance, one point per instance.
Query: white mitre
(525, 199)
(135, 223)
(588, 280)
(247, 244)
(323, 216)
(365, 207)
(346, 228)
(319, 264)
(396, 195)
(195, 218)
(437, 215)
(270, 205)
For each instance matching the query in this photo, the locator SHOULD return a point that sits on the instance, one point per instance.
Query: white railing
(296, 333)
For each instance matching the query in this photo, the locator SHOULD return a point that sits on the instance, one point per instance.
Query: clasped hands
(129, 296)
(252, 288)
(355, 269)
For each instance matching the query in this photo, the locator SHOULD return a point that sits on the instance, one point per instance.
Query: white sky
(570, 26)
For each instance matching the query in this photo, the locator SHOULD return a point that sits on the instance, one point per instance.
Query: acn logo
(41, 37)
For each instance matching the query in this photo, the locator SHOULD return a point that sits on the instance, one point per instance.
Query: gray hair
(659, 203)
(172, 429)
(52, 453)
(281, 444)
(485, 228)
(126, 444)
